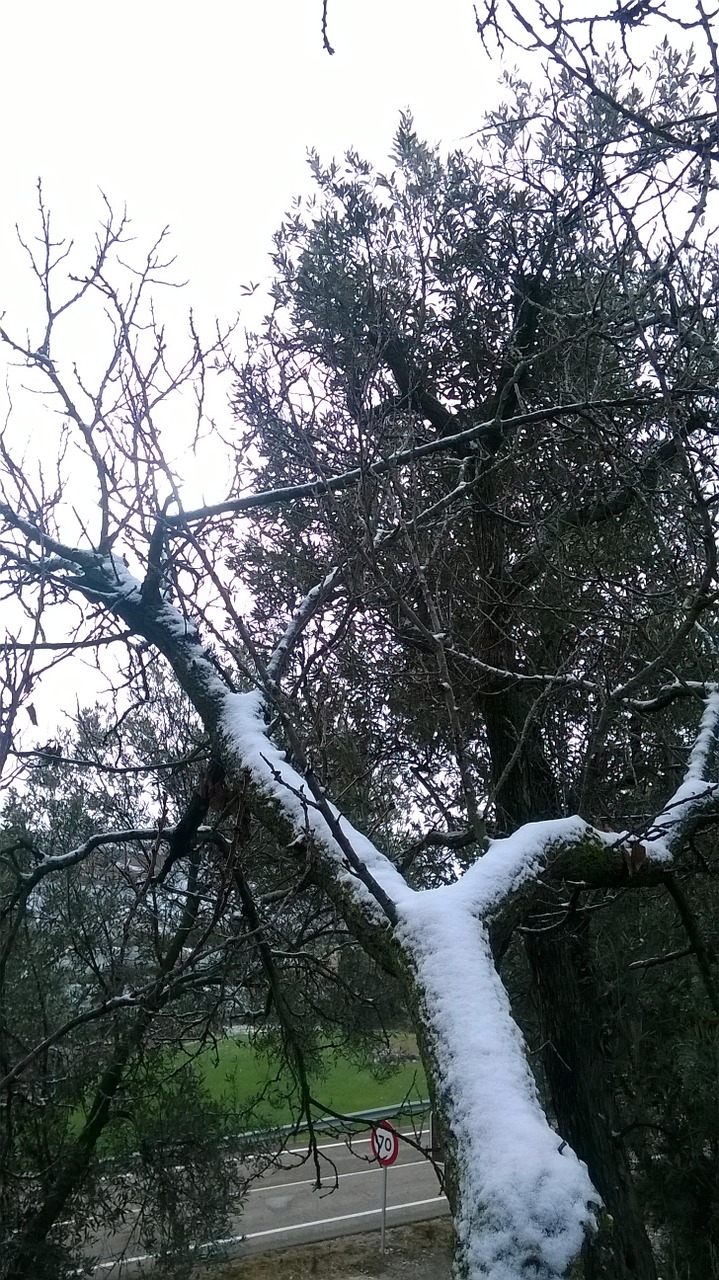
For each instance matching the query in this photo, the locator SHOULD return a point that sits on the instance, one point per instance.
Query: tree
(572, 40)
(470, 589)
(101, 919)
(108, 945)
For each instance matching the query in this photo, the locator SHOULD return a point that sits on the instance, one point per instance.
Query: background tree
(473, 585)
(573, 41)
(93, 909)
(100, 929)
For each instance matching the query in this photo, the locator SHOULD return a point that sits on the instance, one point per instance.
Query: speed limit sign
(385, 1144)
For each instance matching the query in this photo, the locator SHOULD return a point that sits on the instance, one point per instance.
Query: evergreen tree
(465, 583)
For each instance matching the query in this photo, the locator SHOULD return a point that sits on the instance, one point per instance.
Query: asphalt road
(283, 1209)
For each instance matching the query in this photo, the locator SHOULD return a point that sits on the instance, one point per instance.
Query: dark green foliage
(179, 1176)
(88, 987)
(495, 373)
(560, 564)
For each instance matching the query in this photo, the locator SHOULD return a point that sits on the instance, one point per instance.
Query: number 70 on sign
(385, 1144)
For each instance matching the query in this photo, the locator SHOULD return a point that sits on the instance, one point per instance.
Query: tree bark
(571, 1014)
(570, 1020)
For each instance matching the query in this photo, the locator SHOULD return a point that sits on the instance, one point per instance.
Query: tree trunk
(571, 1012)
(570, 1021)
(25, 1261)
(501, 1153)
(27, 1253)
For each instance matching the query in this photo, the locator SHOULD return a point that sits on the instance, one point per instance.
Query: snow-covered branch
(303, 614)
(697, 794)
(523, 1200)
(243, 729)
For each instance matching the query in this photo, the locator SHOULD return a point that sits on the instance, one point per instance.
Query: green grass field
(252, 1092)
(234, 1071)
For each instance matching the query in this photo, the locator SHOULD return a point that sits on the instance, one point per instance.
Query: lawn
(253, 1092)
(234, 1071)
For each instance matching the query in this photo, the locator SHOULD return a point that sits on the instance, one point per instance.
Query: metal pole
(384, 1207)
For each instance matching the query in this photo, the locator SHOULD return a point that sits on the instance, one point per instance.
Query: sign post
(385, 1149)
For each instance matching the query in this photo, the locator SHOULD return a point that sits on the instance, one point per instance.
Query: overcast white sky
(199, 116)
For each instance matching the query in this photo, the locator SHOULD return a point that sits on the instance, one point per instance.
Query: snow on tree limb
(700, 759)
(525, 1200)
(525, 1197)
(302, 615)
(697, 792)
(244, 730)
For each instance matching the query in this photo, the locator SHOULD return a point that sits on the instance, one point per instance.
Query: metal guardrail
(330, 1121)
(323, 1122)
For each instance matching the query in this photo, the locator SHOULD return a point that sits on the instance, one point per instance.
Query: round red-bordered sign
(385, 1143)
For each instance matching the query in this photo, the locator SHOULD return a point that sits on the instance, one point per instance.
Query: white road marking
(307, 1182)
(274, 1231)
(323, 1222)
